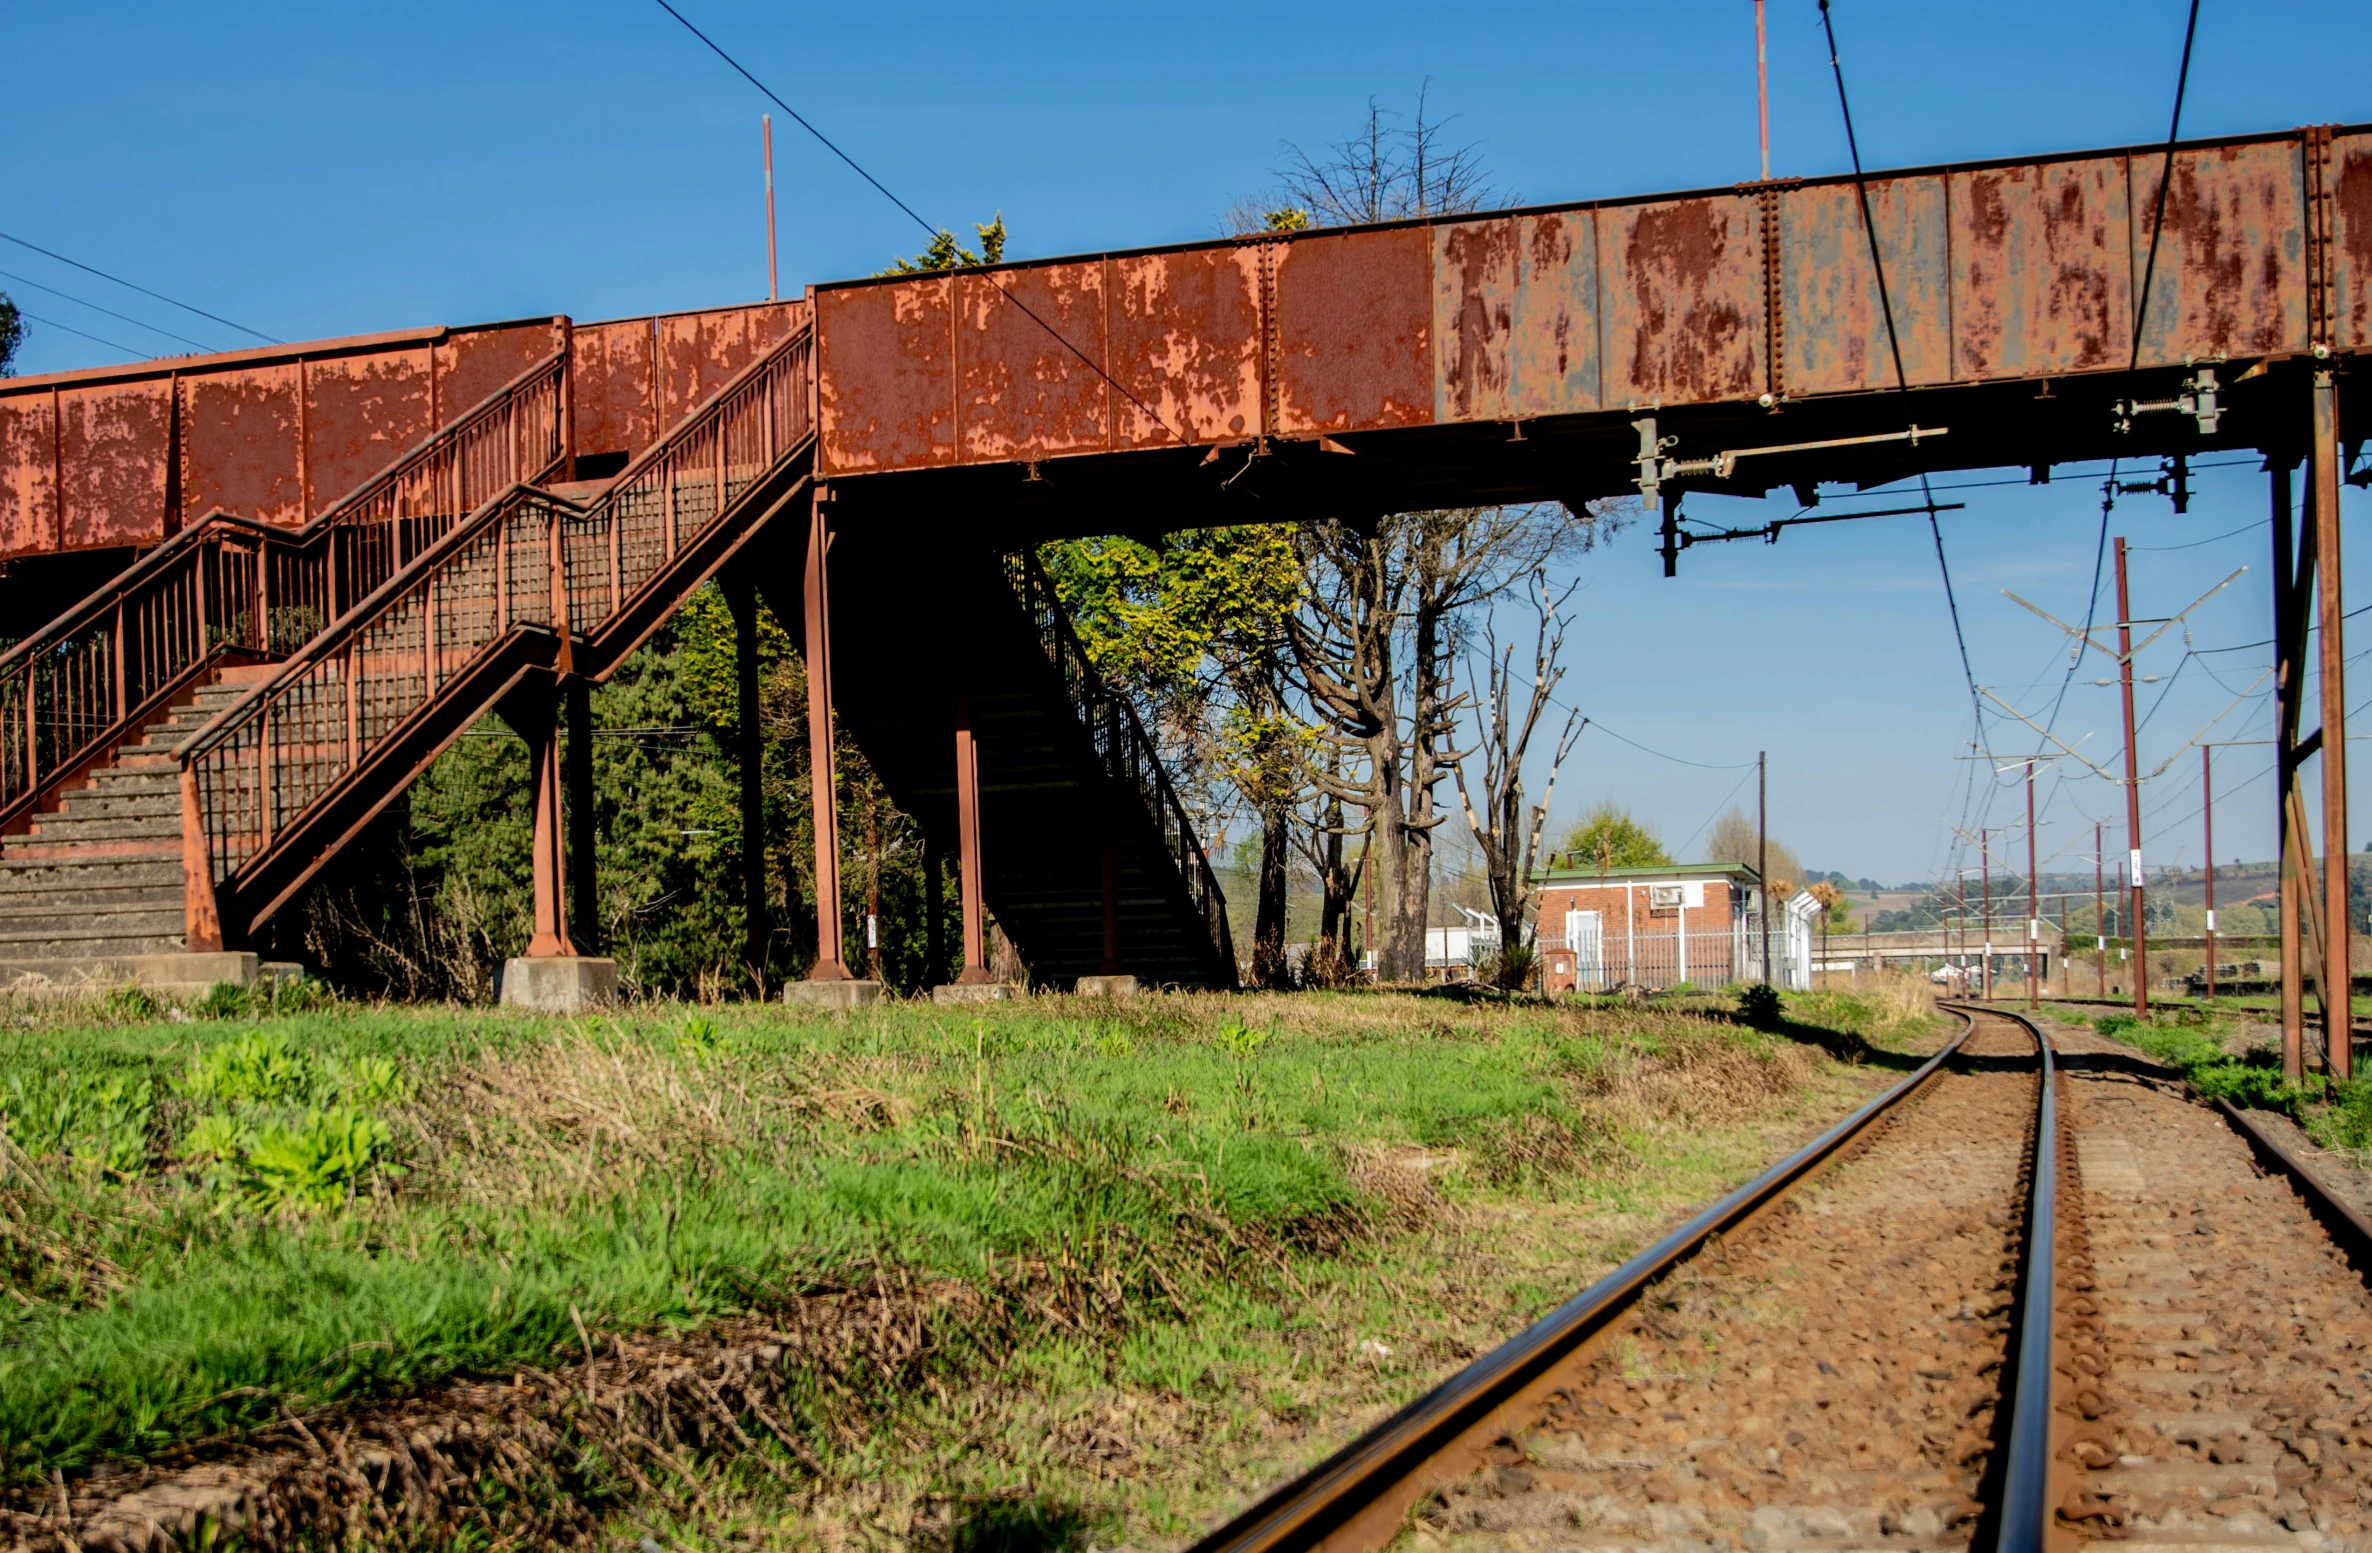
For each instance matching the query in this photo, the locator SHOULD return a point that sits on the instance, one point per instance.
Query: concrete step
(168, 973)
(91, 881)
(59, 919)
(27, 851)
(135, 827)
(95, 803)
(86, 946)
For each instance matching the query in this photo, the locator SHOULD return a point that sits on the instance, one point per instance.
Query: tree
(12, 334)
(945, 253)
(1735, 840)
(1506, 832)
(1607, 837)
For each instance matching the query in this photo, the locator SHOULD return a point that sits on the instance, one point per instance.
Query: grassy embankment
(1183, 1241)
(2211, 1048)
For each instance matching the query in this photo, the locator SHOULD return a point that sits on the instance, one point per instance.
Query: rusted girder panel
(2014, 289)
(126, 456)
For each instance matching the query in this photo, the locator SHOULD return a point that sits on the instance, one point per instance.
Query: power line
(51, 323)
(2182, 80)
(96, 308)
(143, 290)
(796, 117)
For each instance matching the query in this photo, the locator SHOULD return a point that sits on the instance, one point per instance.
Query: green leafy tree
(1608, 837)
(12, 334)
(945, 253)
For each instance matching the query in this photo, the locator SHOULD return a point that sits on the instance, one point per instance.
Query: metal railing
(86, 681)
(1127, 752)
(524, 559)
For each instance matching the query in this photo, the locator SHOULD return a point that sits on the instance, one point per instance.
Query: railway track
(1922, 1331)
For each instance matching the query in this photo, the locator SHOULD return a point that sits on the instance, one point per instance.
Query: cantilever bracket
(2197, 399)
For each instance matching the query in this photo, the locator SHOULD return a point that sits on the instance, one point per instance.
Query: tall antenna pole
(2133, 928)
(773, 289)
(1762, 88)
(2207, 810)
(1985, 854)
(2034, 919)
(1762, 824)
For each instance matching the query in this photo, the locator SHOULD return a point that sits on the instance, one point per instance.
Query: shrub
(318, 1163)
(1758, 1005)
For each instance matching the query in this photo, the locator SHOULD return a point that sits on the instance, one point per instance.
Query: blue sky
(338, 168)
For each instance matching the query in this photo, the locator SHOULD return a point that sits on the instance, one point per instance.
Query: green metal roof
(1647, 871)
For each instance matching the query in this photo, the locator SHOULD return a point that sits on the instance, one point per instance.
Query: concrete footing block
(975, 992)
(832, 995)
(177, 977)
(559, 984)
(1108, 987)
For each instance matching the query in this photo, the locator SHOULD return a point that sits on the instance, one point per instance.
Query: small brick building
(1652, 926)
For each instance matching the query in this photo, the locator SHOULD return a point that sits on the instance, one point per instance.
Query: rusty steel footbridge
(342, 553)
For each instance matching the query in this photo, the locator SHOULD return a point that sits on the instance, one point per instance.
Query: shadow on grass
(1843, 1045)
(1018, 1525)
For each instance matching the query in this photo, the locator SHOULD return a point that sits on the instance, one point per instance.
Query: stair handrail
(1128, 752)
(525, 559)
(111, 660)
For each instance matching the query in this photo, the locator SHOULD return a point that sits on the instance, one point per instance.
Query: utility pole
(2323, 473)
(1960, 921)
(773, 288)
(2207, 810)
(2034, 921)
(1985, 856)
(1762, 800)
(1762, 89)
(2099, 922)
(2134, 928)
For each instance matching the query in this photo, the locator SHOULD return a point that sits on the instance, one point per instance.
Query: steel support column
(2322, 490)
(741, 596)
(2288, 681)
(823, 786)
(584, 913)
(967, 821)
(532, 710)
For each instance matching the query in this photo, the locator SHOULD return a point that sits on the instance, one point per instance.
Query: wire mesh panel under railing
(1607, 958)
(1126, 751)
(86, 681)
(519, 562)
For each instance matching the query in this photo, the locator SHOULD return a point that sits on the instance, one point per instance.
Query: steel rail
(2025, 1522)
(1363, 1475)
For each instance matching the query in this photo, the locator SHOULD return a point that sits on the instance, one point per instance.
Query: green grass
(211, 1225)
(2196, 1043)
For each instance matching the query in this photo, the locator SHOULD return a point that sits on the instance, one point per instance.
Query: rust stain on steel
(1834, 340)
(1019, 391)
(1683, 283)
(113, 442)
(28, 493)
(611, 374)
(699, 352)
(471, 363)
(362, 412)
(1185, 340)
(2230, 279)
(2351, 155)
(2041, 274)
(1353, 326)
(1515, 312)
(885, 375)
(240, 444)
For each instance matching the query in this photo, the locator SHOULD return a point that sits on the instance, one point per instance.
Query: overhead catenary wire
(134, 286)
(138, 323)
(829, 144)
(116, 345)
(2149, 270)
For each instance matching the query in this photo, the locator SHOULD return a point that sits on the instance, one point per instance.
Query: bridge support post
(584, 912)
(2289, 622)
(967, 825)
(823, 779)
(554, 976)
(2322, 491)
(741, 596)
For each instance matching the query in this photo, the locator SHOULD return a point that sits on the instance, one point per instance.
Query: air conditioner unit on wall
(1664, 897)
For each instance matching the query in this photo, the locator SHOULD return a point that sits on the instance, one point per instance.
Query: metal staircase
(91, 703)
(274, 784)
